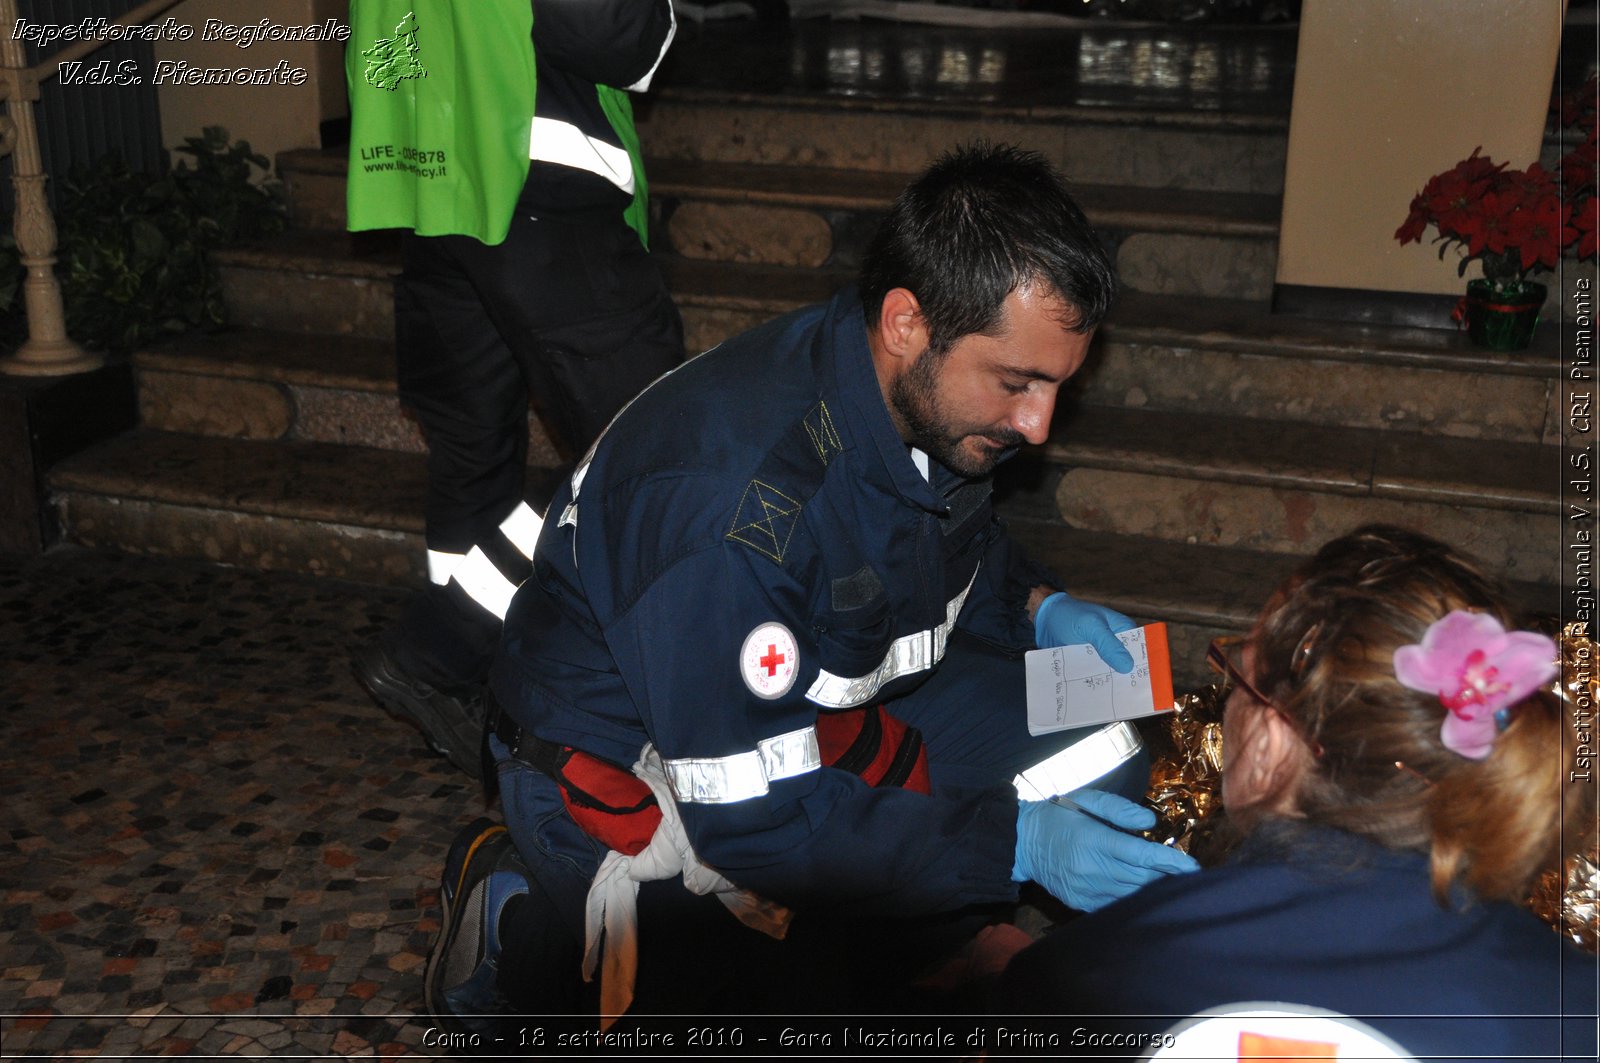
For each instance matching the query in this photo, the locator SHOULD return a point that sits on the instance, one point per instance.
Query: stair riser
(316, 200)
(903, 141)
(1187, 643)
(290, 301)
(214, 406)
(368, 555)
(155, 529)
(1224, 267)
(1495, 406)
(1293, 521)
(1146, 156)
(1321, 391)
(1316, 391)
(705, 326)
(234, 408)
(1162, 263)
(761, 233)
(294, 302)
(797, 236)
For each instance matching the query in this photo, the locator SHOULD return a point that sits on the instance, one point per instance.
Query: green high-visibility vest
(440, 114)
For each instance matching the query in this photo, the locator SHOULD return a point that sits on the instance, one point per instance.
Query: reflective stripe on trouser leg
(1080, 763)
(484, 583)
(477, 574)
(521, 529)
(442, 565)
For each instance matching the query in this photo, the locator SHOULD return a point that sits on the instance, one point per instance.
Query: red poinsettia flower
(1513, 221)
(1584, 219)
(1493, 229)
(1537, 183)
(1580, 166)
(1411, 231)
(1414, 226)
(1540, 232)
(1453, 202)
(1477, 167)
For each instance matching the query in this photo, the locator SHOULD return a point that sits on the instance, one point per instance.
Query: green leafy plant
(133, 247)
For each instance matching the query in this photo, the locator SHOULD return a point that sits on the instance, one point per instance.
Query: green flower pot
(1503, 322)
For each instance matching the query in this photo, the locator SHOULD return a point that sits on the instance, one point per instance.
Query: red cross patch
(769, 660)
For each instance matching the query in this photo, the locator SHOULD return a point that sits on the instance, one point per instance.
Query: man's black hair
(981, 222)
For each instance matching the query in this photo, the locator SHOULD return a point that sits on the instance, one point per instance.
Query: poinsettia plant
(1515, 221)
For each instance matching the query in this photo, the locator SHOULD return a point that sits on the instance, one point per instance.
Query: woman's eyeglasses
(1219, 662)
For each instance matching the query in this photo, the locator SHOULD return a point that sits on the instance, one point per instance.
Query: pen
(1066, 802)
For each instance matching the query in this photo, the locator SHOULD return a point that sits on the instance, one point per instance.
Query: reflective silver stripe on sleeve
(484, 583)
(790, 754)
(916, 652)
(1080, 763)
(441, 566)
(569, 516)
(741, 776)
(566, 145)
(522, 528)
(643, 83)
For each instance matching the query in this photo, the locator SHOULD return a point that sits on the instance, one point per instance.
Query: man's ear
(901, 331)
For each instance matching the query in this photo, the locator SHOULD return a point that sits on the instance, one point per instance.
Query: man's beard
(914, 395)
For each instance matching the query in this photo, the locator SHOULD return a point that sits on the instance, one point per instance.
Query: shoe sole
(456, 739)
(432, 992)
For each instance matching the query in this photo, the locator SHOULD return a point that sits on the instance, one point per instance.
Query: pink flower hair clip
(1478, 670)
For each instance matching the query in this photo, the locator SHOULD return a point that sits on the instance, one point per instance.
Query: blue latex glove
(1084, 862)
(1063, 620)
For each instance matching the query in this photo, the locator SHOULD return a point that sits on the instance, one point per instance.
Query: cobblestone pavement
(214, 843)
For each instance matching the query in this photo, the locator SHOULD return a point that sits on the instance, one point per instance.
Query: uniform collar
(886, 459)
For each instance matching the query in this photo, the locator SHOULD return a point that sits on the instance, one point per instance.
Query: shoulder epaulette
(769, 508)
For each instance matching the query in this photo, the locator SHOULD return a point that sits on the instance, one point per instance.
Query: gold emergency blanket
(1567, 899)
(1186, 771)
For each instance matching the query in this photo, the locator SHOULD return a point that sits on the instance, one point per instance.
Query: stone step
(1224, 153)
(264, 385)
(1200, 591)
(325, 509)
(354, 513)
(1228, 356)
(799, 107)
(1285, 487)
(314, 186)
(313, 281)
(325, 282)
(1171, 241)
(257, 384)
(1252, 482)
(320, 508)
(254, 385)
(1111, 207)
(1236, 358)
(1158, 352)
